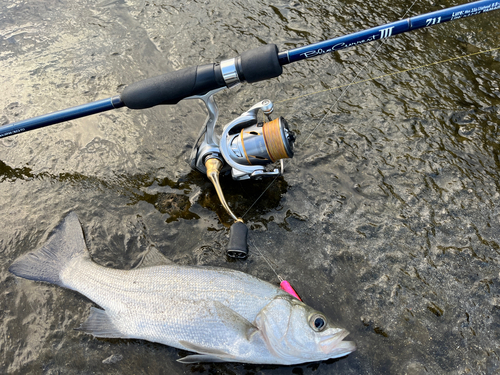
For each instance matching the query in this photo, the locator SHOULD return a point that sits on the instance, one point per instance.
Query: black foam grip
(237, 246)
(260, 63)
(170, 88)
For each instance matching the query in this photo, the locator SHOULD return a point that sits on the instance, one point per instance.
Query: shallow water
(387, 218)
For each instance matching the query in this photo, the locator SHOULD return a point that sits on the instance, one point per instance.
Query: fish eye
(317, 322)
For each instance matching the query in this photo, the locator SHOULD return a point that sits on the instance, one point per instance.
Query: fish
(222, 315)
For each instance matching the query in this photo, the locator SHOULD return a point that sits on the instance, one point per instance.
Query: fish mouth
(335, 347)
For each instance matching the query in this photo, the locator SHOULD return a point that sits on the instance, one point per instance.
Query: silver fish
(224, 315)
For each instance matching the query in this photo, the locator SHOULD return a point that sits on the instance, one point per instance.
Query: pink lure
(285, 285)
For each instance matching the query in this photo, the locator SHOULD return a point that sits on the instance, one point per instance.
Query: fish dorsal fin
(152, 257)
(100, 324)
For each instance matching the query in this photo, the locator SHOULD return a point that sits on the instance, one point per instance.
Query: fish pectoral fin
(207, 354)
(197, 358)
(99, 324)
(152, 257)
(235, 326)
(235, 321)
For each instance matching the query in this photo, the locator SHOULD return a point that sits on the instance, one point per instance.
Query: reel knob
(237, 246)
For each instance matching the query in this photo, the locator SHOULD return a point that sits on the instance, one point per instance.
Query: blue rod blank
(387, 30)
(61, 116)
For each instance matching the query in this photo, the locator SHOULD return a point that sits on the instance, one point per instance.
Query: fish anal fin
(152, 257)
(100, 324)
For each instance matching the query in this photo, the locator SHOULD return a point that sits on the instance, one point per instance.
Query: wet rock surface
(387, 219)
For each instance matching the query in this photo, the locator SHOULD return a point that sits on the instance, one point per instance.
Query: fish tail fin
(46, 264)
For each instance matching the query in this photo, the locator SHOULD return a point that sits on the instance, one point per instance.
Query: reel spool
(246, 147)
(261, 144)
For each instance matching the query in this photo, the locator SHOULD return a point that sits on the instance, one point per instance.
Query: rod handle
(172, 87)
(251, 66)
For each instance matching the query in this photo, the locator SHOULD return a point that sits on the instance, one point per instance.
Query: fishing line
(287, 287)
(267, 261)
(370, 58)
(346, 86)
(390, 74)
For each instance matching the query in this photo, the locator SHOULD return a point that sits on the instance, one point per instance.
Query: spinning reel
(246, 148)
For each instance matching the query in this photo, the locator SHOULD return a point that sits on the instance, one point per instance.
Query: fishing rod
(246, 147)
